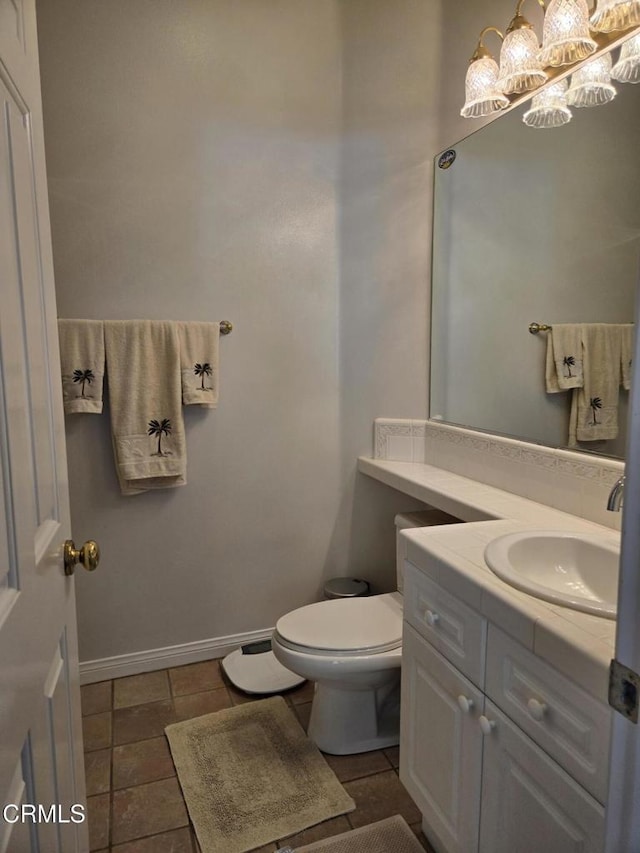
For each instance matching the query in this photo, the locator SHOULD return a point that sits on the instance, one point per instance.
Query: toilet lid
(364, 625)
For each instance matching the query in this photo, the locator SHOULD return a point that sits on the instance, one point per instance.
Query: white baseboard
(152, 659)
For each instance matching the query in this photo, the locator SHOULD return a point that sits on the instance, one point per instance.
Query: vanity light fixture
(591, 85)
(482, 94)
(566, 38)
(520, 68)
(612, 15)
(549, 108)
(627, 68)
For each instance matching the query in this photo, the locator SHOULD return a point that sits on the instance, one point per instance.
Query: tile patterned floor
(135, 804)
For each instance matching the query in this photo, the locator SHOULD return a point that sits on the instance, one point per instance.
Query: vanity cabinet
(499, 751)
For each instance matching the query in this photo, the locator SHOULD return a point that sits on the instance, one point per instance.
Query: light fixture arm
(519, 22)
(481, 51)
(522, 2)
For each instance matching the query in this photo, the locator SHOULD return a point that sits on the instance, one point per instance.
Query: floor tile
(176, 841)
(197, 704)
(147, 810)
(348, 767)
(238, 697)
(378, 797)
(393, 754)
(195, 677)
(142, 721)
(301, 694)
(417, 829)
(96, 697)
(317, 833)
(141, 762)
(96, 731)
(140, 689)
(98, 820)
(97, 768)
(303, 712)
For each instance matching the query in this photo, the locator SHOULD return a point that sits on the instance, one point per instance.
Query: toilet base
(346, 721)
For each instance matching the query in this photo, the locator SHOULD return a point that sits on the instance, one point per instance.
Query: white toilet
(352, 649)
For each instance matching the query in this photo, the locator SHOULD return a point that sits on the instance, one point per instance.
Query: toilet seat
(341, 627)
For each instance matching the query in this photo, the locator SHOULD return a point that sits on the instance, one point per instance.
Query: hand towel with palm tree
(82, 362)
(199, 363)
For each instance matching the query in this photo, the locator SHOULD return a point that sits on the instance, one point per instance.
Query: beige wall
(198, 169)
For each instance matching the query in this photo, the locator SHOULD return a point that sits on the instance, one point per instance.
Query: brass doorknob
(88, 555)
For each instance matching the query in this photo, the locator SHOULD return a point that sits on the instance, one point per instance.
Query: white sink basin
(576, 570)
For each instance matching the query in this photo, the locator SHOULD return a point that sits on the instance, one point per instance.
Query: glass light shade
(611, 15)
(549, 108)
(591, 85)
(482, 95)
(566, 38)
(520, 68)
(627, 68)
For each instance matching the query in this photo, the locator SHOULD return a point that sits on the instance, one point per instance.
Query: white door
(440, 744)
(40, 726)
(529, 804)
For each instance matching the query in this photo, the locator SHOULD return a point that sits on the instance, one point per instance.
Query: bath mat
(386, 836)
(250, 775)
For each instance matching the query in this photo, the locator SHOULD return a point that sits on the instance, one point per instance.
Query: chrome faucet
(616, 496)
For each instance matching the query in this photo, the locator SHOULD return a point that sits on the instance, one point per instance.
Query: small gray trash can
(345, 588)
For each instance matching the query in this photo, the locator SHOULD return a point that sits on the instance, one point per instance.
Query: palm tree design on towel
(203, 370)
(569, 362)
(83, 376)
(595, 403)
(159, 428)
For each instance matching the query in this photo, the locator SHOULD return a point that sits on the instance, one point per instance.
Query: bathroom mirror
(531, 226)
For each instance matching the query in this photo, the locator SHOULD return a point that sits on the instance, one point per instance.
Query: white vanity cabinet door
(529, 804)
(441, 744)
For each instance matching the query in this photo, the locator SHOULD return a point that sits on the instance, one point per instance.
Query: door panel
(529, 803)
(41, 765)
(440, 744)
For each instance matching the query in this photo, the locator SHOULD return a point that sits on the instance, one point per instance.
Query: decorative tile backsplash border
(573, 482)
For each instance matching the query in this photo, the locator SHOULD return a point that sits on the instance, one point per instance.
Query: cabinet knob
(486, 725)
(537, 710)
(465, 704)
(431, 618)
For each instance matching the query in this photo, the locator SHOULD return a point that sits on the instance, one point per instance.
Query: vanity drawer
(568, 723)
(455, 630)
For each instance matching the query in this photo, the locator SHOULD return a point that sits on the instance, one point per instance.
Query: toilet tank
(423, 518)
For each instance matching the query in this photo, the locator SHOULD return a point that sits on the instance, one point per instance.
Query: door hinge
(624, 690)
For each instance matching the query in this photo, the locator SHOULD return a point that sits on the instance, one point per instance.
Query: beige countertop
(577, 644)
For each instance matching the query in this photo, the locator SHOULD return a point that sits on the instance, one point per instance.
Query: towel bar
(534, 328)
(226, 327)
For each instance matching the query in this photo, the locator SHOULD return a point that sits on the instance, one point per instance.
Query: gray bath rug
(387, 836)
(250, 775)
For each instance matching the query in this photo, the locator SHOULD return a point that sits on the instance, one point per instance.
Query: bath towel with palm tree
(597, 402)
(143, 362)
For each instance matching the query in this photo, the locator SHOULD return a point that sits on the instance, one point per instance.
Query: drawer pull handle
(431, 618)
(486, 725)
(465, 704)
(537, 710)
